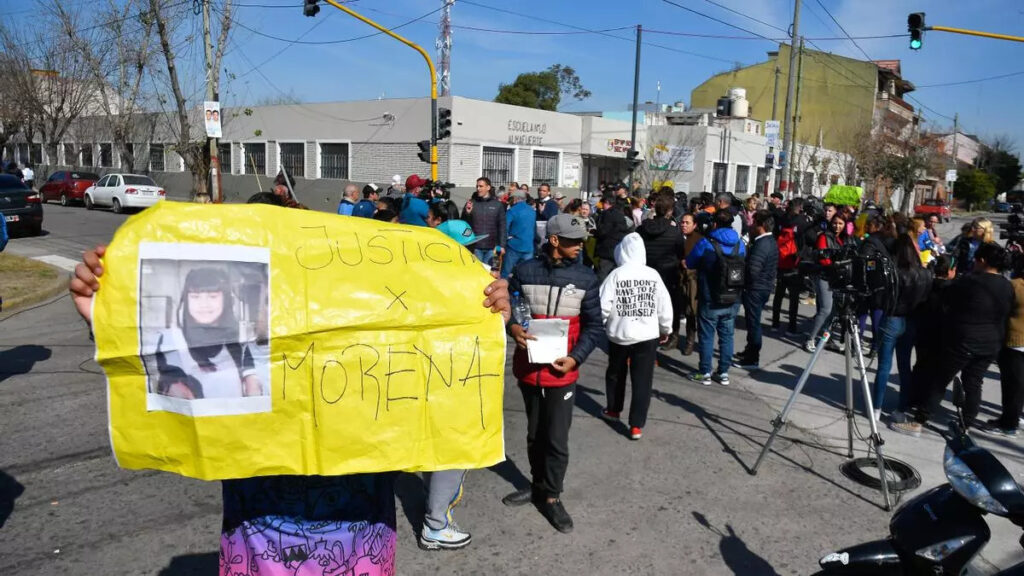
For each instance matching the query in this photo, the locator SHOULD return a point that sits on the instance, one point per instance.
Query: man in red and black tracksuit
(556, 285)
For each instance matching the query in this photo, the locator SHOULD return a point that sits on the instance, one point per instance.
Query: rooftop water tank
(737, 94)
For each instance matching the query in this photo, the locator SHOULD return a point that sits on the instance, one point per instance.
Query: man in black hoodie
(762, 262)
(664, 242)
(486, 215)
(612, 227)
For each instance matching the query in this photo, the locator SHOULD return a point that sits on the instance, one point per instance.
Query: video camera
(436, 189)
(859, 279)
(1013, 228)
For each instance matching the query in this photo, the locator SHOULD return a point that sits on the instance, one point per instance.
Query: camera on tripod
(1013, 228)
(868, 279)
(437, 189)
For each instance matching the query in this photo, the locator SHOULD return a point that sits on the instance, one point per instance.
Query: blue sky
(372, 67)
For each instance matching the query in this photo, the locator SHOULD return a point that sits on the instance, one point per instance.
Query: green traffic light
(915, 44)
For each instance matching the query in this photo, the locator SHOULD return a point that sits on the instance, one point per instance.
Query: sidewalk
(819, 411)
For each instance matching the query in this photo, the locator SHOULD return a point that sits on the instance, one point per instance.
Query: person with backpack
(789, 236)
(827, 242)
(637, 312)
(762, 262)
(719, 261)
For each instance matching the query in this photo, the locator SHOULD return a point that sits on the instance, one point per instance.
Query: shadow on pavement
(412, 493)
(192, 564)
(509, 471)
(737, 555)
(10, 489)
(585, 400)
(20, 359)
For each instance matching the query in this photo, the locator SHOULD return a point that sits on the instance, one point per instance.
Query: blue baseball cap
(460, 231)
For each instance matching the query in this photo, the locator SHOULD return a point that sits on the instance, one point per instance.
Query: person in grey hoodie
(637, 312)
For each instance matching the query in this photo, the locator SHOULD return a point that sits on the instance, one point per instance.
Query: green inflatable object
(844, 195)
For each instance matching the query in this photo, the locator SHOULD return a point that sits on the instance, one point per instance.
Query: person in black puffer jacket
(486, 215)
(664, 243)
(898, 333)
(873, 244)
(759, 278)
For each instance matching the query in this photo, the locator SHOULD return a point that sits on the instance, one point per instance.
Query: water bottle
(521, 310)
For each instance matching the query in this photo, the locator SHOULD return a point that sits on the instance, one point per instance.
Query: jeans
(485, 256)
(513, 257)
(896, 337)
(824, 301)
(721, 320)
(753, 305)
(637, 359)
(876, 326)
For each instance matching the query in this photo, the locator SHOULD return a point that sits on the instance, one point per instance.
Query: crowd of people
(643, 272)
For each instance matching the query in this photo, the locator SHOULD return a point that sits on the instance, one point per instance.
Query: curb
(59, 284)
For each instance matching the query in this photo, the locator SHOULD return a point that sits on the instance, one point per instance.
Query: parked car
(1001, 207)
(21, 206)
(67, 186)
(121, 191)
(934, 206)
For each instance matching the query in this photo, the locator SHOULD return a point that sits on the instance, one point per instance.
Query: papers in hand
(552, 340)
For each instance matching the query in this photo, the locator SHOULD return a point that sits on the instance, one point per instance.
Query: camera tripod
(846, 320)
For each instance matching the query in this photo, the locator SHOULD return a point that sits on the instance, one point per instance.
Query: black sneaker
(556, 515)
(992, 428)
(747, 363)
(519, 498)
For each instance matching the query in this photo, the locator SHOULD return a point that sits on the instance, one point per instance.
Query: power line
(342, 41)
(974, 81)
(720, 21)
(747, 16)
(598, 32)
(843, 30)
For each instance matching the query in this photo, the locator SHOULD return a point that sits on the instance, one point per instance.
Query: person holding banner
(277, 525)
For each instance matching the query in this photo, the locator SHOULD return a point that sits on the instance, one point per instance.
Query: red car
(934, 206)
(67, 186)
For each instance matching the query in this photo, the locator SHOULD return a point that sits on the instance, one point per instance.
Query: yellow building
(839, 96)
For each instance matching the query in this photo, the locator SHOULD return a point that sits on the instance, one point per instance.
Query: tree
(117, 52)
(184, 116)
(1002, 165)
(974, 187)
(543, 90)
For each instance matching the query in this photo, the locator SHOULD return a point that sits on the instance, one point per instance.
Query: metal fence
(498, 165)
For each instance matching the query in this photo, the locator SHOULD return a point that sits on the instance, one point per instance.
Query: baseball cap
(559, 196)
(460, 231)
(414, 181)
(369, 189)
(567, 226)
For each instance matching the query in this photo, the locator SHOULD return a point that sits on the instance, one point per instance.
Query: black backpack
(728, 275)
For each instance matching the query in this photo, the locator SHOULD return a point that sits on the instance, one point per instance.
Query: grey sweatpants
(444, 490)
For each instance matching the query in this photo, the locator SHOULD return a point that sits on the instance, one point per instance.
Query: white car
(120, 191)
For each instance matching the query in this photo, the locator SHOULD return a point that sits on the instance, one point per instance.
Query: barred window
(498, 165)
(70, 158)
(224, 153)
(762, 179)
(255, 158)
(718, 176)
(808, 184)
(36, 154)
(545, 168)
(742, 179)
(106, 155)
(156, 157)
(293, 158)
(87, 155)
(333, 160)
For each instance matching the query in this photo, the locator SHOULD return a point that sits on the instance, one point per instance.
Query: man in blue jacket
(521, 220)
(367, 207)
(711, 316)
(759, 277)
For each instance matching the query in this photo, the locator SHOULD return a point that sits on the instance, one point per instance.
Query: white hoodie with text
(635, 305)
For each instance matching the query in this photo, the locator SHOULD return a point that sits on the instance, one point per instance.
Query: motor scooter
(941, 530)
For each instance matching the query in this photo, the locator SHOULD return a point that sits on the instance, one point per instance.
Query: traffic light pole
(636, 95)
(976, 33)
(433, 79)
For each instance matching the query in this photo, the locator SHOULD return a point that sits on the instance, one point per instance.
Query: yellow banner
(252, 340)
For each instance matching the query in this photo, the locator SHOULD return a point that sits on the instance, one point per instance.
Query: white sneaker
(878, 414)
(448, 538)
(722, 379)
(810, 347)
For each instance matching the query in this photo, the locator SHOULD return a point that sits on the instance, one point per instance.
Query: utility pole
(787, 130)
(775, 101)
(791, 152)
(631, 155)
(444, 49)
(215, 195)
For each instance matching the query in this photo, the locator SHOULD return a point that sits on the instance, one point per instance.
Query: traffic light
(311, 8)
(424, 153)
(915, 25)
(632, 160)
(444, 123)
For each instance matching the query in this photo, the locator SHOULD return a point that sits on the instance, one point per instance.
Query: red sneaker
(609, 415)
(635, 433)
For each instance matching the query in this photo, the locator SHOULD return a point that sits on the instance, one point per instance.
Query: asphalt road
(680, 501)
